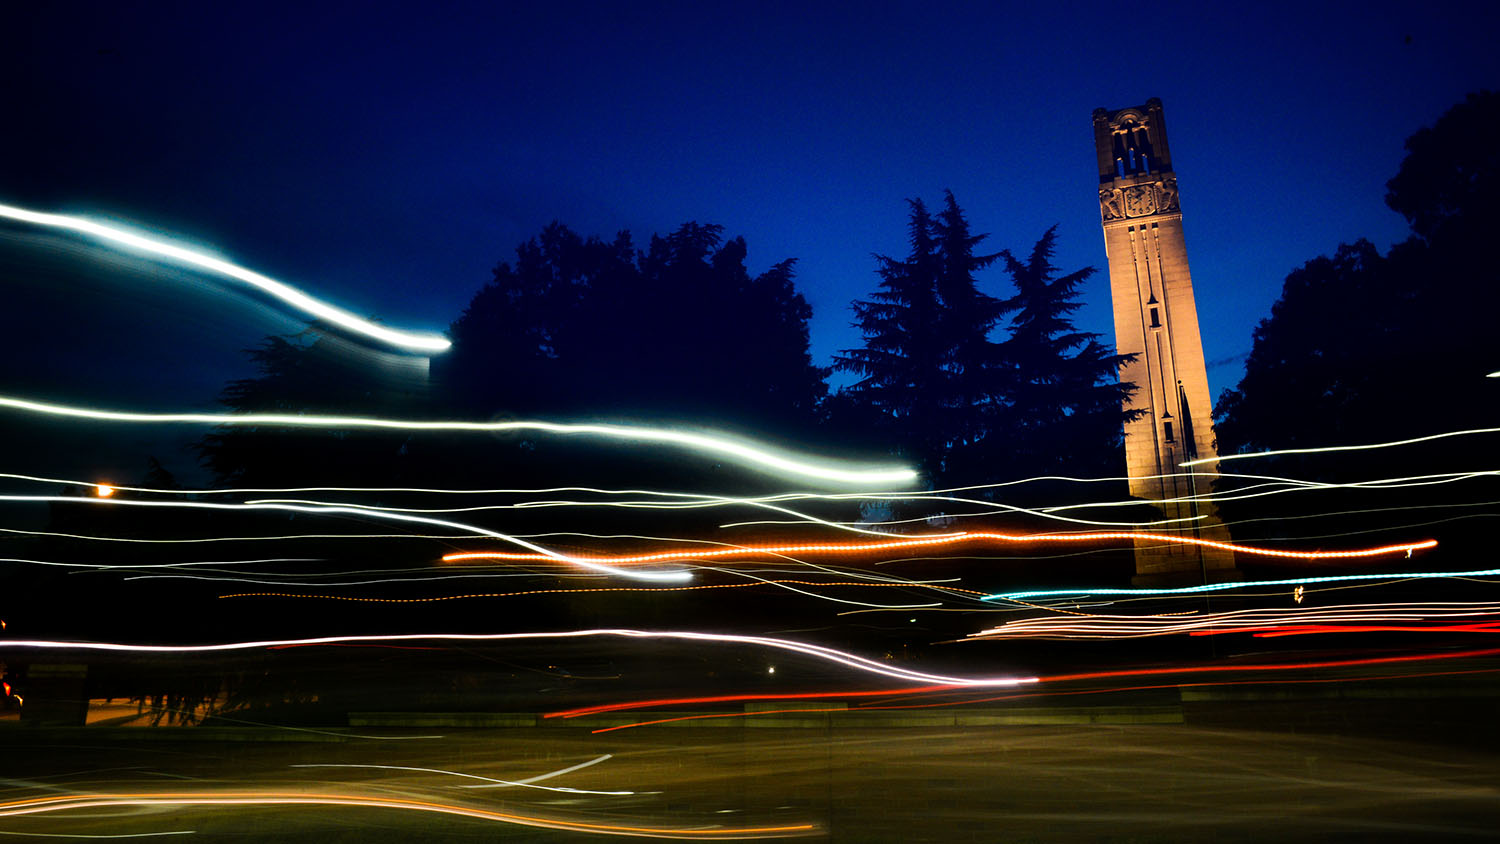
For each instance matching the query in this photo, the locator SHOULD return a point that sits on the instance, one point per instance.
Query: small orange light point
(104, 490)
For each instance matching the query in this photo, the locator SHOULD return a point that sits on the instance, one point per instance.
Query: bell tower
(1156, 319)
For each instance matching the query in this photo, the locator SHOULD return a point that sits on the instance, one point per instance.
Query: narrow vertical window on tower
(1155, 319)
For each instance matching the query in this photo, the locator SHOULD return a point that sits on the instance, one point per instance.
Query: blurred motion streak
(744, 451)
(1085, 626)
(273, 798)
(950, 539)
(833, 655)
(425, 343)
(1335, 448)
(1242, 584)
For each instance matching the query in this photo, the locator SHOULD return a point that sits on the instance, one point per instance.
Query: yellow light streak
(40, 805)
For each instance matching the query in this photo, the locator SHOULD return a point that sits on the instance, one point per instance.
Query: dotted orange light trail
(65, 803)
(940, 541)
(468, 595)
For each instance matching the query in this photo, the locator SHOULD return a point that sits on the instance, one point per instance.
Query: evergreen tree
(1062, 395)
(966, 320)
(901, 363)
(927, 361)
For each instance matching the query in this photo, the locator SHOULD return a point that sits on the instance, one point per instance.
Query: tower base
(1159, 564)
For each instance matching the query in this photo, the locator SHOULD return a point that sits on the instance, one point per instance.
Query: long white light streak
(673, 576)
(753, 455)
(1333, 448)
(832, 655)
(288, 536)
(406, 340)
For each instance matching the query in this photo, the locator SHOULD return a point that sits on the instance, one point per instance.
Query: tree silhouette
(903, 360)
(320, 373)
(1363, 347)
(970, 408)
(1063, 398)
(681, 332)
(1448, 182)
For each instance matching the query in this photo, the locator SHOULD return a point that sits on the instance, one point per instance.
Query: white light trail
(428, 343)
(671, 576)
(1091, 626)
(744, 452)
(491, 782)
(833, 655)
(1332, 448)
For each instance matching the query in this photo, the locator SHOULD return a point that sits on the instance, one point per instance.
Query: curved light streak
(753, 455)
(41, 805)
(1243, 584)
(490, 781)
(833, 655)
(669, 576)
(405, 340)
(951, 539)
(1332, 448)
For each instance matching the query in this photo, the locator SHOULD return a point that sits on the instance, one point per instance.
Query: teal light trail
(1220, 587)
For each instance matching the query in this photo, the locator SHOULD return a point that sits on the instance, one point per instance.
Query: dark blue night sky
(387, 156)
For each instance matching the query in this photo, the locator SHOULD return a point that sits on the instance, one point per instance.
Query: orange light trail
(940, 541)
(41, 805)
(592, 589)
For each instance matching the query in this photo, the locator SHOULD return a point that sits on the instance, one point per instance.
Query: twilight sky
(386, 156)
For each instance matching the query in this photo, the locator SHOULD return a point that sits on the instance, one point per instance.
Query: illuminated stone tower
(1157, 320)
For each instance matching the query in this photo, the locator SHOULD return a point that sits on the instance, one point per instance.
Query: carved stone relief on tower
(1139, 200)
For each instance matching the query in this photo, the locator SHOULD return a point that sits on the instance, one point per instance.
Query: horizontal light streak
(1242, 584)
(441, 598)
(942, 540)
(1191, 670)
(1277, 631)
(1336, 448)
(667, 576)
(65, 803)
(742, 451)
(1084, 626)
(827, 654)
(405, 340)
(490, 781)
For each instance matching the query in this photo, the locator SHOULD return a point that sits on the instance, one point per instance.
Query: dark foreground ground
(1235, 771)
